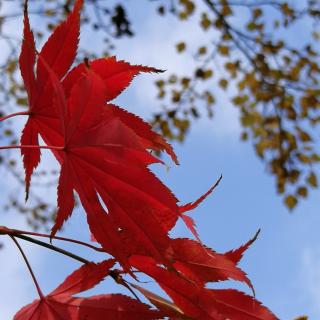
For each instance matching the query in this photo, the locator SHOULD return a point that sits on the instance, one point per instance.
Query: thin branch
(52, 247)
(21, 232)
(248, 4)
(29, 266)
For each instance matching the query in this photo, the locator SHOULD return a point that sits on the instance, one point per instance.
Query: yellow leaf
(223, 83)
(302, 192)
(181, 46)
(160, 83)
(224, 50)
(304, 136)
(202, 50)
(205, 21)
(210, 98)
(312, 180)
(185, 82)
(12, 65)
(257, 13)
(290, 201)
(208, 74)
(226, 11)
(22, 101)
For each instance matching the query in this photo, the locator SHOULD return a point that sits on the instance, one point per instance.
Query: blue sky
(283, 264)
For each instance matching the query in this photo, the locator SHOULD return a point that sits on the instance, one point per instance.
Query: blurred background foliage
(272, 80)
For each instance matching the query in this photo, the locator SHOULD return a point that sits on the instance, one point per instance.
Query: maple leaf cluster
(104, 154)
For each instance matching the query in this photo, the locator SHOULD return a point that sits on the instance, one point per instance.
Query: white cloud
(155, 46)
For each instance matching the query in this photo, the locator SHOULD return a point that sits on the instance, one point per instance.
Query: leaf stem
(13, 234)
(32, 147)
(51, 247)
(23, 113)
(115, 276)
(29, 266)
(19, 232)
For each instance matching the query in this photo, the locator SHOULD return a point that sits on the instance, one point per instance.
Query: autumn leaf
(99, 145)
(198, 302)
(194, 300)
(127, 136)
(61, 304)
(116, 75)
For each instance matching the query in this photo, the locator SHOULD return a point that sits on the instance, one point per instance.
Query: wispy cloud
(155, 46)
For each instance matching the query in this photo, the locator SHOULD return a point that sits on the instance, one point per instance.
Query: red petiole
(23, 113)
(32, 147)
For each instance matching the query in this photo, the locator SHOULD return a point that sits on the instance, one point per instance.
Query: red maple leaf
(58, 54)
(61, 303)
(196, 301)
(104, 139)
(99, 145)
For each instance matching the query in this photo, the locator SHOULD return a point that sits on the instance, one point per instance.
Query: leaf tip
(26, 197)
